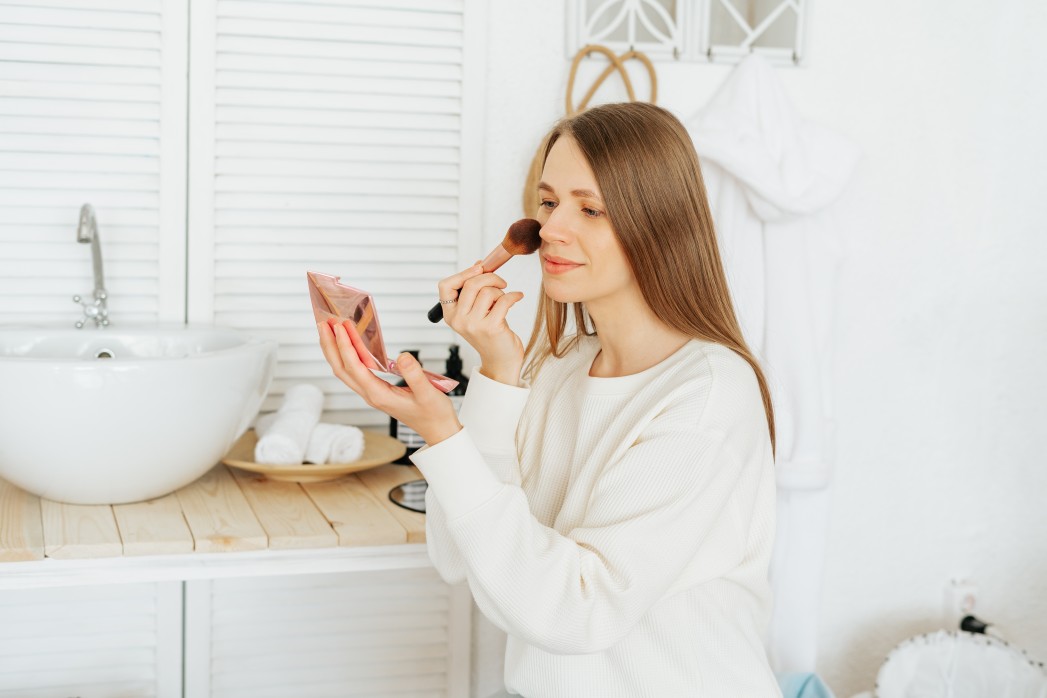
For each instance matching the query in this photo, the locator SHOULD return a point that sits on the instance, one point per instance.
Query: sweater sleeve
(664, 514)
(492, 410)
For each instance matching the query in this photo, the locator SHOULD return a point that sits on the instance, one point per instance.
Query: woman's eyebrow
(577, 193)
(585, 194)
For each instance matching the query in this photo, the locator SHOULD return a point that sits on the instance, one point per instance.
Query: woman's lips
(558, 265)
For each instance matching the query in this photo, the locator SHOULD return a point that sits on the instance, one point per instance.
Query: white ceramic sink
(120, 415)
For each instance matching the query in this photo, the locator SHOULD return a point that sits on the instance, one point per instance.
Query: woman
(615, 513)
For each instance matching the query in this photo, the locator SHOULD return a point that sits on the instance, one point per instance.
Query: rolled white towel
(328, 443)
(285, 435)
(334, 443)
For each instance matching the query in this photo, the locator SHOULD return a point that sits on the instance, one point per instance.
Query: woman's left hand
(420, 405)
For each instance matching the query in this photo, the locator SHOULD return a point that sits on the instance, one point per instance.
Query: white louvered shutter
(326, 136)
(364, 634)
(92, 110)
(113, 640)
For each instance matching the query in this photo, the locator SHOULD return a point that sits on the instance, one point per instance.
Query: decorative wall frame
(714, 31)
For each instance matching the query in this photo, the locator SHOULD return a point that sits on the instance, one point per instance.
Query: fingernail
(404, 359)
(478, 269)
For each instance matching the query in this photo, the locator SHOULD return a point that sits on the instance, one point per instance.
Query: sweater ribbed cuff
(491, 412)
(457, 474)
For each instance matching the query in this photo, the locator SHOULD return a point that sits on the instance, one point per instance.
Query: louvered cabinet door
(93, 641)
(367, 634)
(327, 137)
(92, 110)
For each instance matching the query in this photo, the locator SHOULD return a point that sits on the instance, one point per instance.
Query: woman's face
(582, 261)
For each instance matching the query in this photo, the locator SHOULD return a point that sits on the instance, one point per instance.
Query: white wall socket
(960, 599)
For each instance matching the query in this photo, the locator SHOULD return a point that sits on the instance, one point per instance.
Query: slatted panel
(82, 120)
(336, 148)
(117, 640)
(371, 634)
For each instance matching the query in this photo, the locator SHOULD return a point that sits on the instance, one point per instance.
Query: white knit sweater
(618, 529)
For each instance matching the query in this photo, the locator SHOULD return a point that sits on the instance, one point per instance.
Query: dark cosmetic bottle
(411, 495)
(408, 436)
(454, 370)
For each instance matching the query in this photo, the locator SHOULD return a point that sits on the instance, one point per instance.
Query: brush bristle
(522, 237)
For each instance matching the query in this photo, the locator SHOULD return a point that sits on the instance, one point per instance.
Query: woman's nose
(554, 230)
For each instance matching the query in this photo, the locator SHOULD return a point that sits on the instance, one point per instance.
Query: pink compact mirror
(355, 310)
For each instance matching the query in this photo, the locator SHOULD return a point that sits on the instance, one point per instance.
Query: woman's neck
(632, 339)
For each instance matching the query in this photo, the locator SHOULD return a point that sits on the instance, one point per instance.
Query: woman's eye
(548, 204)
(591, 212)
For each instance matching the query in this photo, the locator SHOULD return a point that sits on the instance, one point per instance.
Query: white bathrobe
(772, 179)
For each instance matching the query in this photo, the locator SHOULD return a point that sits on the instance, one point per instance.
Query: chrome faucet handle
(87, 232)
(96, 310)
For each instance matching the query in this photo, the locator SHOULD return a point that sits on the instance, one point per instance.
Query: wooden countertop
(226, 510)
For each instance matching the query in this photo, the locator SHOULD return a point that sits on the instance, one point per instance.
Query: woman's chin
(558, 295)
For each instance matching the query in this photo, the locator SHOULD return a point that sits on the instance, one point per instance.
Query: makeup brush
(521, 238)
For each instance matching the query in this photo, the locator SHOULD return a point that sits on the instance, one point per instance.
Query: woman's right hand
(479, 317)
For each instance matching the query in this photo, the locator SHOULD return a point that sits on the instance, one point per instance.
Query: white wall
(941, 378)
(942, 302)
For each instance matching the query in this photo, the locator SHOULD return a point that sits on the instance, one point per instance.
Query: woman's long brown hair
(651, 183)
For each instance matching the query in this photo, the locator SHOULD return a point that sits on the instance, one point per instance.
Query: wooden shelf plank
(287, 514)
(357, 516)
(21, 526)
(384, 478)
(79, 530)
(154, 527)
(219, 516)
(220, 512)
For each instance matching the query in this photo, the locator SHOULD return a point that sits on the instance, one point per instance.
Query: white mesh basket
(959, 664)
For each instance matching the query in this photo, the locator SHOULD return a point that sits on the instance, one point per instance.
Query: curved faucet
(87, 232)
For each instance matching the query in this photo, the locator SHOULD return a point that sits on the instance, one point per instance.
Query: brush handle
(436, 313)
(491, 262)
